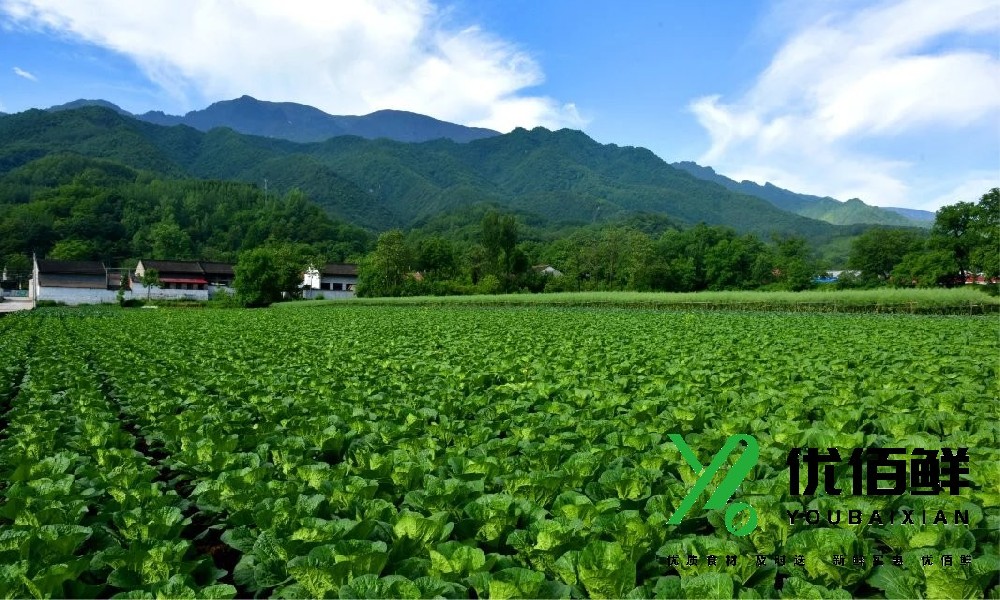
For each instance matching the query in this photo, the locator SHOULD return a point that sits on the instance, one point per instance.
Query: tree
(73, 249)
(612, 251)
(729, 264)
(150, 278)
(499, 238)
(951, 231)
(794, 267)
(169, 241)
(16, 263)
(985, 254)
(970, 232)
(877, 251)
(123, 286)
(265, 274)
(435, 258)
(383, 272)
(927, 268)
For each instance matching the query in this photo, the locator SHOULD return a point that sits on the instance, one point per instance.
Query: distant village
(73, 282)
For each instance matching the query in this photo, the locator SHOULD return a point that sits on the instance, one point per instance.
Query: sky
(896, 102)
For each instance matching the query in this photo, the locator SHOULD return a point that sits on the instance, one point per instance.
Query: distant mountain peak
(80, 103)
(303, 123)
(853, 211)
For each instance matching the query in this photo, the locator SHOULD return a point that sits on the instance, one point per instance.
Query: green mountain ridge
(923, 216)
(563, 176)
(824, 208)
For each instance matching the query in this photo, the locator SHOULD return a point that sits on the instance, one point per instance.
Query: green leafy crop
(373, 452)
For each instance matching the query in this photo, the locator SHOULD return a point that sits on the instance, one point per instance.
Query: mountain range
(555, 179)
(816, 207)
(301, 123)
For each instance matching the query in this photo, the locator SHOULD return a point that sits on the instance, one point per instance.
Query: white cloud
(25, 74)
(858, 78)
(342, 57)
(967, 191)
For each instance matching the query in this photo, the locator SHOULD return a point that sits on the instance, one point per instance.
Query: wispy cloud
(25, 74)
(967, 191)
(343, 57)
(848, 82)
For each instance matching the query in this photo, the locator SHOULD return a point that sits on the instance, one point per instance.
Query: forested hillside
(563, 176)
(90, 183)
(76, 208)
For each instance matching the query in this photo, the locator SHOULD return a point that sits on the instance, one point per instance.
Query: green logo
(737, 473)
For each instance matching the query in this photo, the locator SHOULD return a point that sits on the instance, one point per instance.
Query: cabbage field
(462, 452)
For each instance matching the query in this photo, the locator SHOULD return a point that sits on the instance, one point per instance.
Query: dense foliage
(73, 208)
(493, 258)
(964, 242)
(269, 273)
(393, 452)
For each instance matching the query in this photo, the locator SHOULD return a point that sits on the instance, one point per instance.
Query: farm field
(411, 451)
(960, 301)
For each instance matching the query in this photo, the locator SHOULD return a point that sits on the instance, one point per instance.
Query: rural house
(183, 279)
(220, 277)
(74, 282)
(333, 280)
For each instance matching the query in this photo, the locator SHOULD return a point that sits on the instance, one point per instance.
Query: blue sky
(895, 101)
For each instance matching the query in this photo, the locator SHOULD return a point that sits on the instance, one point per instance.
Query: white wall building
(333, 280)
(183, 279)
(74, 282)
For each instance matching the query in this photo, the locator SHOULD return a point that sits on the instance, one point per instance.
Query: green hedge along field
(963, 300)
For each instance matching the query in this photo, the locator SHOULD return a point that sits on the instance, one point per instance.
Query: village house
(74, 282)
(183, 279)
(219, 275)
(14, 284)
(333, 280)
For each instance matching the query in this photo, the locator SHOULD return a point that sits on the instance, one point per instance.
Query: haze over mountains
(823, 208)
(301, 123)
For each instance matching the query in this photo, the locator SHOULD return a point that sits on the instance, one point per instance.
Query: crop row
(392, 452)
(83, 514)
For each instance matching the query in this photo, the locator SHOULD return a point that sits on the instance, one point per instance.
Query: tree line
(964, 242)
(612, 257)
(496, 258)
(75, 208)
